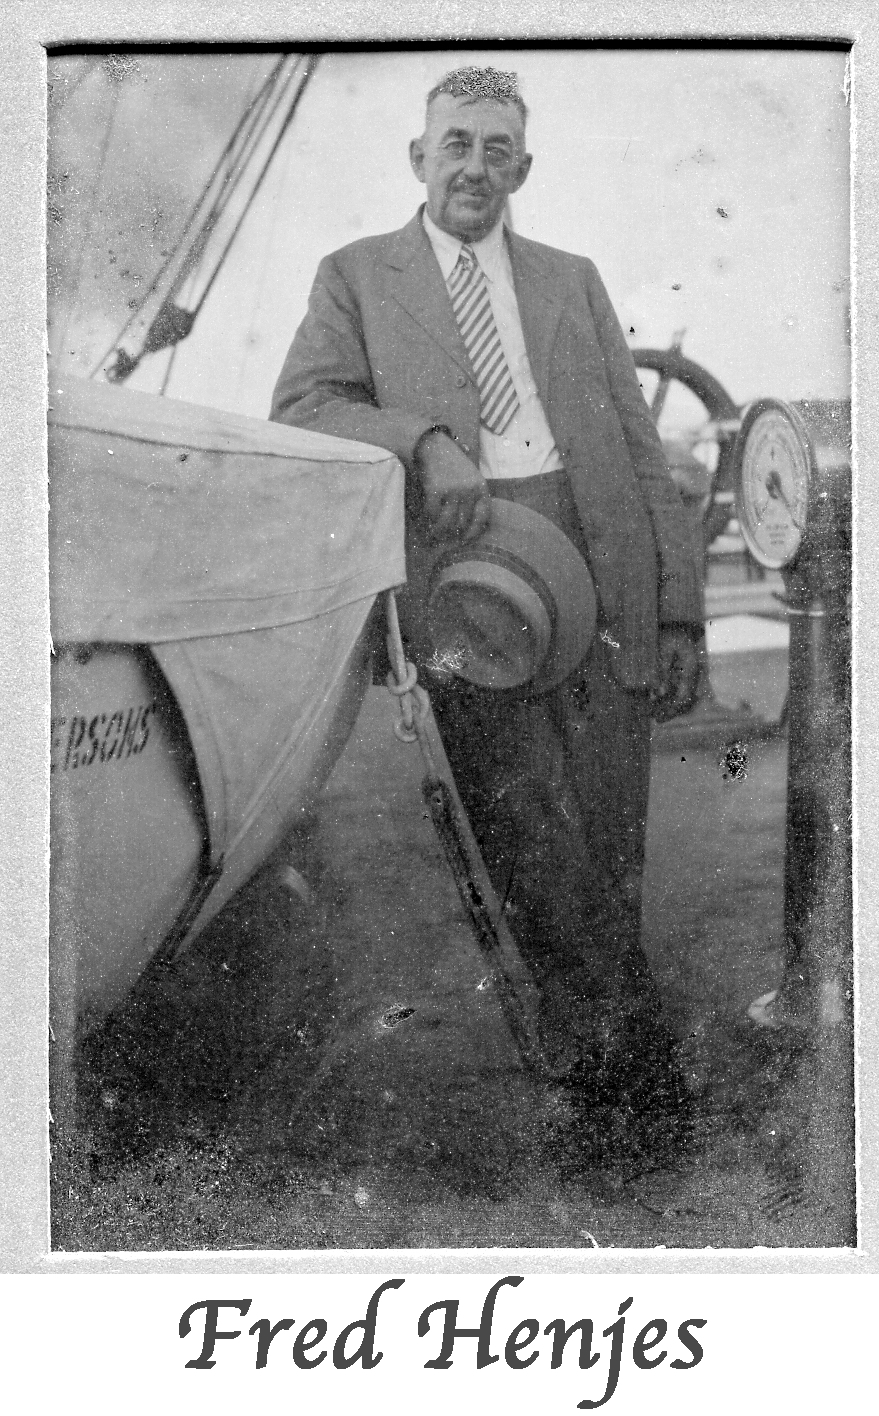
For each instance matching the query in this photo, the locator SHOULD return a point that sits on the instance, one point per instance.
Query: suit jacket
(378, 359)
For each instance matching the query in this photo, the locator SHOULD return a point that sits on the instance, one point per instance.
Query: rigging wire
(186, 278)
(171, 323)
(232, 181)
(168, 367)
(251, 114)
(310, 66)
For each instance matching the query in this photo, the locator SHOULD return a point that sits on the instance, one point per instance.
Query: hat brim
(517, 531)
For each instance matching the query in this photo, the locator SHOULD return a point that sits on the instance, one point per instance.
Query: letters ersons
(82, 742)
(576, 1341)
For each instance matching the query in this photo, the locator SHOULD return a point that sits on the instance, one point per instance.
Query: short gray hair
(496, 84)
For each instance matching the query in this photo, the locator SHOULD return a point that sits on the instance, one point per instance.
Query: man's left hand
(678, 673)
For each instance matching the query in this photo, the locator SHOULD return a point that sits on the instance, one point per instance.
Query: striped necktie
(498, 399)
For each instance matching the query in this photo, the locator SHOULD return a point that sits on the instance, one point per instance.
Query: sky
(710, 186)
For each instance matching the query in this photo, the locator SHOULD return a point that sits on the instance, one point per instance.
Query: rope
(403, 683)
(459, 846)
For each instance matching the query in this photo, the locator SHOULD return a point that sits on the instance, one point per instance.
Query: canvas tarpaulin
(171, 521)
(247, 555)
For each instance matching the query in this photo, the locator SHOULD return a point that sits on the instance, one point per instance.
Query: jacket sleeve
(680, 557)
(326, 383)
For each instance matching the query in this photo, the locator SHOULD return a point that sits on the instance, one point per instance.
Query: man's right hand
(456, 498)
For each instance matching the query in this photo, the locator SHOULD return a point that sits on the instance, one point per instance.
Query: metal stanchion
(816, 988)
(796, 517)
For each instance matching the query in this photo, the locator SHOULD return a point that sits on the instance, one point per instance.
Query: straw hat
(514, 608)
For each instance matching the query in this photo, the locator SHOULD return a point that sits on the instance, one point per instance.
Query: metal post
(815, 1002)
(817, 898)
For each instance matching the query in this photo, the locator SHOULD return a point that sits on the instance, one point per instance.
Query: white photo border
(24, 1230)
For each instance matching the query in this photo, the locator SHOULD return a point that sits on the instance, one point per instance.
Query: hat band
(515, 565)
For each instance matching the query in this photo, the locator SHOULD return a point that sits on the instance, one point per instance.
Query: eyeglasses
(499, 157)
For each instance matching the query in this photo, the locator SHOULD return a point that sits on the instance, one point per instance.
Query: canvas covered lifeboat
(211, 581)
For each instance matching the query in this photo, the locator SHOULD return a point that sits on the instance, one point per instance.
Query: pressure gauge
(774, 464)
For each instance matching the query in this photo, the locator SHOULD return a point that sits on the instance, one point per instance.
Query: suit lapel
(419, 287)
(540, 309)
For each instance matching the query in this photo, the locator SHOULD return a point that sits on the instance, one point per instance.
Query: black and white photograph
(450, 485)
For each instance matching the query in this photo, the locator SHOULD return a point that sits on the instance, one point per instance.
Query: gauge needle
(777, 492)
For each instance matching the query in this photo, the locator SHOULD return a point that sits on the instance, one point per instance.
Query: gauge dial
(774, 462)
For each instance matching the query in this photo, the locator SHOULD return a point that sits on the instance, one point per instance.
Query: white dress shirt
(525, 448)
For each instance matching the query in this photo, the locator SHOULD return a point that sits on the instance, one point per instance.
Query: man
(555, 783)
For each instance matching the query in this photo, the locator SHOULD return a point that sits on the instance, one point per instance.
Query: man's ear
(522, 173)
(416, 157)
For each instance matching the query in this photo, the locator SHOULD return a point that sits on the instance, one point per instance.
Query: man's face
(471, 158)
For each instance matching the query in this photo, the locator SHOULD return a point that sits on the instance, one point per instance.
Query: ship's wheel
(697, 421)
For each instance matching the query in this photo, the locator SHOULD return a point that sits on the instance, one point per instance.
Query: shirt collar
(488, 251)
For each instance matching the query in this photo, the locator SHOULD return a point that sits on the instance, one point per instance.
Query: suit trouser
(556, 788)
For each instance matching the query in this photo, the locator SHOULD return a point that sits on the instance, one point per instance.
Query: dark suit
(556, 787)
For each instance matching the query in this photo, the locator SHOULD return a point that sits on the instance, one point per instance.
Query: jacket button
(461, 380)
